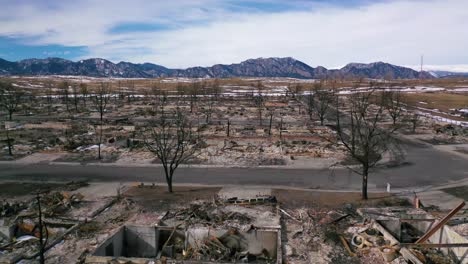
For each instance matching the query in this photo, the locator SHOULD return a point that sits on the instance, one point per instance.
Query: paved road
(427, 166)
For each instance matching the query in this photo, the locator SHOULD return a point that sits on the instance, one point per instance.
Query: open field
(446, 102)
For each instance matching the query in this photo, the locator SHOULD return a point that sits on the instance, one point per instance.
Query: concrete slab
(262, 216)
(40, 158)
(439, 198)
(244, 192)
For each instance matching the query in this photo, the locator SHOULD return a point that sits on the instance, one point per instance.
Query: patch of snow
(83, 148)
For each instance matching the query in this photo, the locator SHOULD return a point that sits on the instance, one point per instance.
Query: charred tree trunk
(365, 173)
(9, 140)
(100, 138)
(42, 244)
(271, 122)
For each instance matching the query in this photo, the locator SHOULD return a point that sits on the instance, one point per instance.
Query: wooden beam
(440, 224)
(406, 253)
(416, 220)
(452, 245)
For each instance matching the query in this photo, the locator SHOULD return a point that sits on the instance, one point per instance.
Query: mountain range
(261, 67)
(448, 74)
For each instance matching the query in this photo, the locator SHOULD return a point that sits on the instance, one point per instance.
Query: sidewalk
(438, 195)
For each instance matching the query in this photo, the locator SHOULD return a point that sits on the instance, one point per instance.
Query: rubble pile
(58, 202)
(8, 209)
(230, 247)
(233, 153)
(313, 235)
(208, 214)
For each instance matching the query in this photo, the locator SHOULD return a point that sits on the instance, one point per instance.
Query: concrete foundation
(130, 241)
(7, 231)
(409, 224)
(141, 243)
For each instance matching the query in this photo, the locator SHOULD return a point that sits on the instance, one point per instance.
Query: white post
(388, 187)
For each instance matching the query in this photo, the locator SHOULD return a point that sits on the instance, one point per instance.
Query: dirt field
(15, 189)
(441, 101)
(298, 198)
(159, 199)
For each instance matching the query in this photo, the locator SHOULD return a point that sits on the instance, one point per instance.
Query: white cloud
(205, 32)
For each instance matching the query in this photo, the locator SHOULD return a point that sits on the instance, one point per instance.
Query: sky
(185, 33)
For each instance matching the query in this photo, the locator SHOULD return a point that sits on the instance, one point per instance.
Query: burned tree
(209, 99)
(320, 101)
(359, 130)
(160, 99)
(259, 101)
(392, 101)
(10, 98)
(295, 89)
(216, 89)
(172, 141)
(193, 93)
(76, 96)
(130, 91)
(84, 93)
(8, 139)
(414, 120)
(49, 94)
(120, 92)
(101, 99)
(42, 230)
(65, 94)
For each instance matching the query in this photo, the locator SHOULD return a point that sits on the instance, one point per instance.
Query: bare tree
(100, 100)
(228, 129)
(193, 92)
(414, 120)
(181, 95)
(216, 89)
(161, 99)
(131, 91)
(8, 139)
(259, 101)
(76, 96)
(49, 98)
(10, 98)
(173, 142)
(42, 230)
(359, 132)
(209, 99)
(295, 89)
(321, 101)
(65, 94)
(393, 104)
(84, 93)
(120, 91)
(271, 122)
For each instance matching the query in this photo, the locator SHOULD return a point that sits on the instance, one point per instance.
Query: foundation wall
(114, 246)
(446, 235)
(140, 241)
(7, 231)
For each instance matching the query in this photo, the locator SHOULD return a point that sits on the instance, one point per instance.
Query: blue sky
(185, 33)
